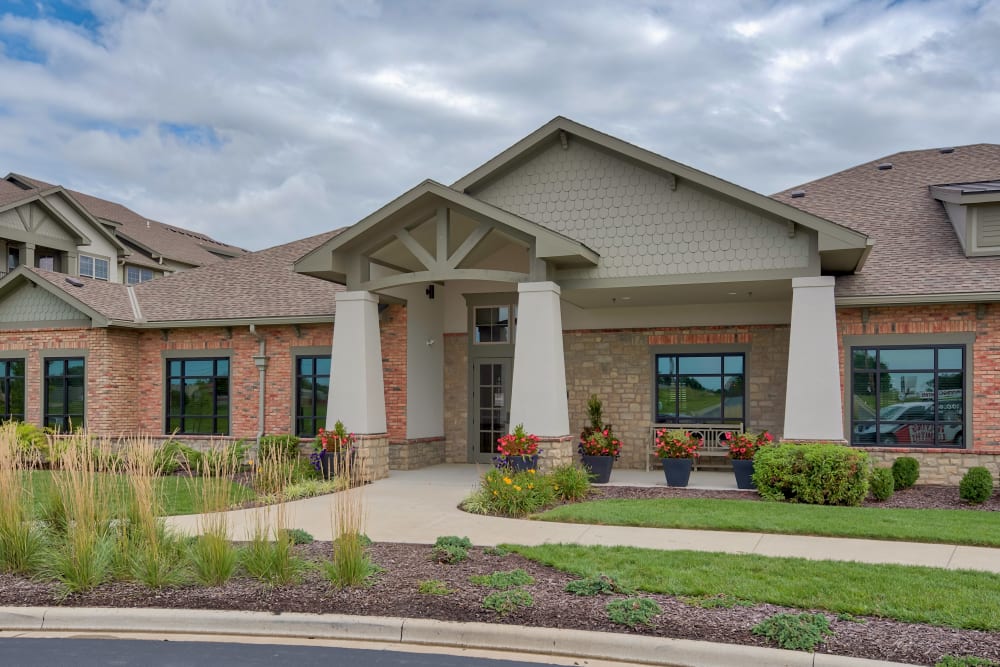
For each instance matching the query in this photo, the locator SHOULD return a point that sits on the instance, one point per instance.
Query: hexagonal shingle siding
(639, 226)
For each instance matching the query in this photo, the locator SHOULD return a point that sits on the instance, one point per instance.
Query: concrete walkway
(420, 505)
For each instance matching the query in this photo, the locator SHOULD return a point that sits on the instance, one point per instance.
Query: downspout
(260, 361)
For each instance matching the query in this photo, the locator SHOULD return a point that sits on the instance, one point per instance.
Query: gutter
(260, 361)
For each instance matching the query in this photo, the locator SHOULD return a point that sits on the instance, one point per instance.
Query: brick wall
(982, 320)
(392, 325)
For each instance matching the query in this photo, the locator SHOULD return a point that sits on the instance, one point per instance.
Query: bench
(713, 448)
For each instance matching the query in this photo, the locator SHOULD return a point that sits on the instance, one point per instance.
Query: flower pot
(743, 469)
(335, 463)
(520, 463)
(599, 467)
(677, 471)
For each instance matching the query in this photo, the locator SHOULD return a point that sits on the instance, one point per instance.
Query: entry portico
(575, 263)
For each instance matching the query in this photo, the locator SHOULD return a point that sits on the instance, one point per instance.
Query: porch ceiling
(741, 292)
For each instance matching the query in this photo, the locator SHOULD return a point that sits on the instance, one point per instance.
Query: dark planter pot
(520, 463)
(744, 474)
(677, 471)
(335, 463)
(599, 467)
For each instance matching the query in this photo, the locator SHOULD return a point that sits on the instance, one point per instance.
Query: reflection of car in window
(901, 423)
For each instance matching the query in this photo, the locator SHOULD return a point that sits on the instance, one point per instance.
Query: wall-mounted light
(430, 341)
(429, 291)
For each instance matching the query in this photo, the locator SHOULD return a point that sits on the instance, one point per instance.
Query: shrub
(905, 472)
(964, 661)
(633, 612)
(172, 456)
(283, 447)
(516, 494)
(213, 558)
(511, 579)
(296, 536)
(505, 602)
(601, 584)
(818, 474)
(882, 484)
(350, 565)
(32, 441)
(229, 457)
(433, 587)
(797, 632)
(976, 485)
(272, 562)
(570, 481)
(451, 549)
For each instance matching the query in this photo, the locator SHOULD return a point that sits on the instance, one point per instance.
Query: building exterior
(859, 308)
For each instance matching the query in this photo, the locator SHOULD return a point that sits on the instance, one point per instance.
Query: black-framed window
(312, 388)
(65, 393)
(11, 389)
(198, 396)
(908, 395)
(700, 388)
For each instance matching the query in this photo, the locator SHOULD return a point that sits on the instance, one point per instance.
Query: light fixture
(429, 291)
(430, 341)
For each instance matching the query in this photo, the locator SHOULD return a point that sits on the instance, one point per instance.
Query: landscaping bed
(394, 592)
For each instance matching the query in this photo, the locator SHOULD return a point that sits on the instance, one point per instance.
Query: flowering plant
(677, 444)
(601, 443)
(518, 443)
(743, 446)
(337, 440)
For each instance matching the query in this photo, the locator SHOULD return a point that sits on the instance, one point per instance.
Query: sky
(261, 122)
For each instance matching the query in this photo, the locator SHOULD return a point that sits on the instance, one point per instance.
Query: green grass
(953, 598)
(178, 495)
(913, 525)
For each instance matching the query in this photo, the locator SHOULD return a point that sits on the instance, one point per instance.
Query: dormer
(974, 211)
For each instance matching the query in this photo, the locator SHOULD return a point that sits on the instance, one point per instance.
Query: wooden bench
(713, 448)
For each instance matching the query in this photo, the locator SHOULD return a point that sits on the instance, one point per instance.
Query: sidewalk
(418, 506)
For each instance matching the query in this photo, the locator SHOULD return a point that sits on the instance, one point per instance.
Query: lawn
(178, 495)
(960, 599)
(913, 525)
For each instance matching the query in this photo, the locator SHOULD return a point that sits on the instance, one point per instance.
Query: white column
(813, 404)
(357, 397)
(538, 391)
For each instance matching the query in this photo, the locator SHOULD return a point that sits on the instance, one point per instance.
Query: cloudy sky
(260, 122)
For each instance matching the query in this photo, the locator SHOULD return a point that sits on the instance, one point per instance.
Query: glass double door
(489, 405)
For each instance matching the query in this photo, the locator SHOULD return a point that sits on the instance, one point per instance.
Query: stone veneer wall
(413, 454)
(982, 320)
(617, 365)
(939, 466)
(456, 398)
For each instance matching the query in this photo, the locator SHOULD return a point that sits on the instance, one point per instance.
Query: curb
(488, 636)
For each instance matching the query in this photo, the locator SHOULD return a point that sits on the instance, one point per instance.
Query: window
(64, 393)
(908, 395)
(135, 275)
(11, 389)
(312, 387)
(198, 396)
(700, 388)
(491, 324)
(93, 267)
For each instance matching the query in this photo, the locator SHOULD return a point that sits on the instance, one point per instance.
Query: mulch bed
(919, 497)
(394, 593)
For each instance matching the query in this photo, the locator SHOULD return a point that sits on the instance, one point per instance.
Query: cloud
(259, 122)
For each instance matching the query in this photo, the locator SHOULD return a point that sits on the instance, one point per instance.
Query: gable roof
(916, 254)
(258, 287)
(147, 236)
(850, 246)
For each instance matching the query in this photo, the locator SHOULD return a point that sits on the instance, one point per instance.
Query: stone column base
(416, 453)
(556, 451)
(373, 456)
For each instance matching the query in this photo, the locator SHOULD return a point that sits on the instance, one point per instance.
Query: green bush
(570, 481)
(882, 484)
(817, 474)
(905, 472)
(229, 457)
(601, 584)
(433, 587)
(281, 447)
(32, 441)
(633, 612)
(504, 602)
(964, 661)
(976, 485)
(451, 549)
(296, 536)
(796, 632)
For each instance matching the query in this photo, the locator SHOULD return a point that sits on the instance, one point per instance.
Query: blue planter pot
(520, 463)
(744, 474)
(599, 467)
(677, 471)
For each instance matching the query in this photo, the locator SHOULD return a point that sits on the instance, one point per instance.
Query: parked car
(907, 423)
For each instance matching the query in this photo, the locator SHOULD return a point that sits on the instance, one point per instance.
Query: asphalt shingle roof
(109, 299)
(916, 250)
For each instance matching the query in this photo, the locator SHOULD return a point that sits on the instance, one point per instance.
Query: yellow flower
(506, 480)
(495, 493)
(531, 486)
(555, 486)
(250, 462)
(517, 488)
(531, 470)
